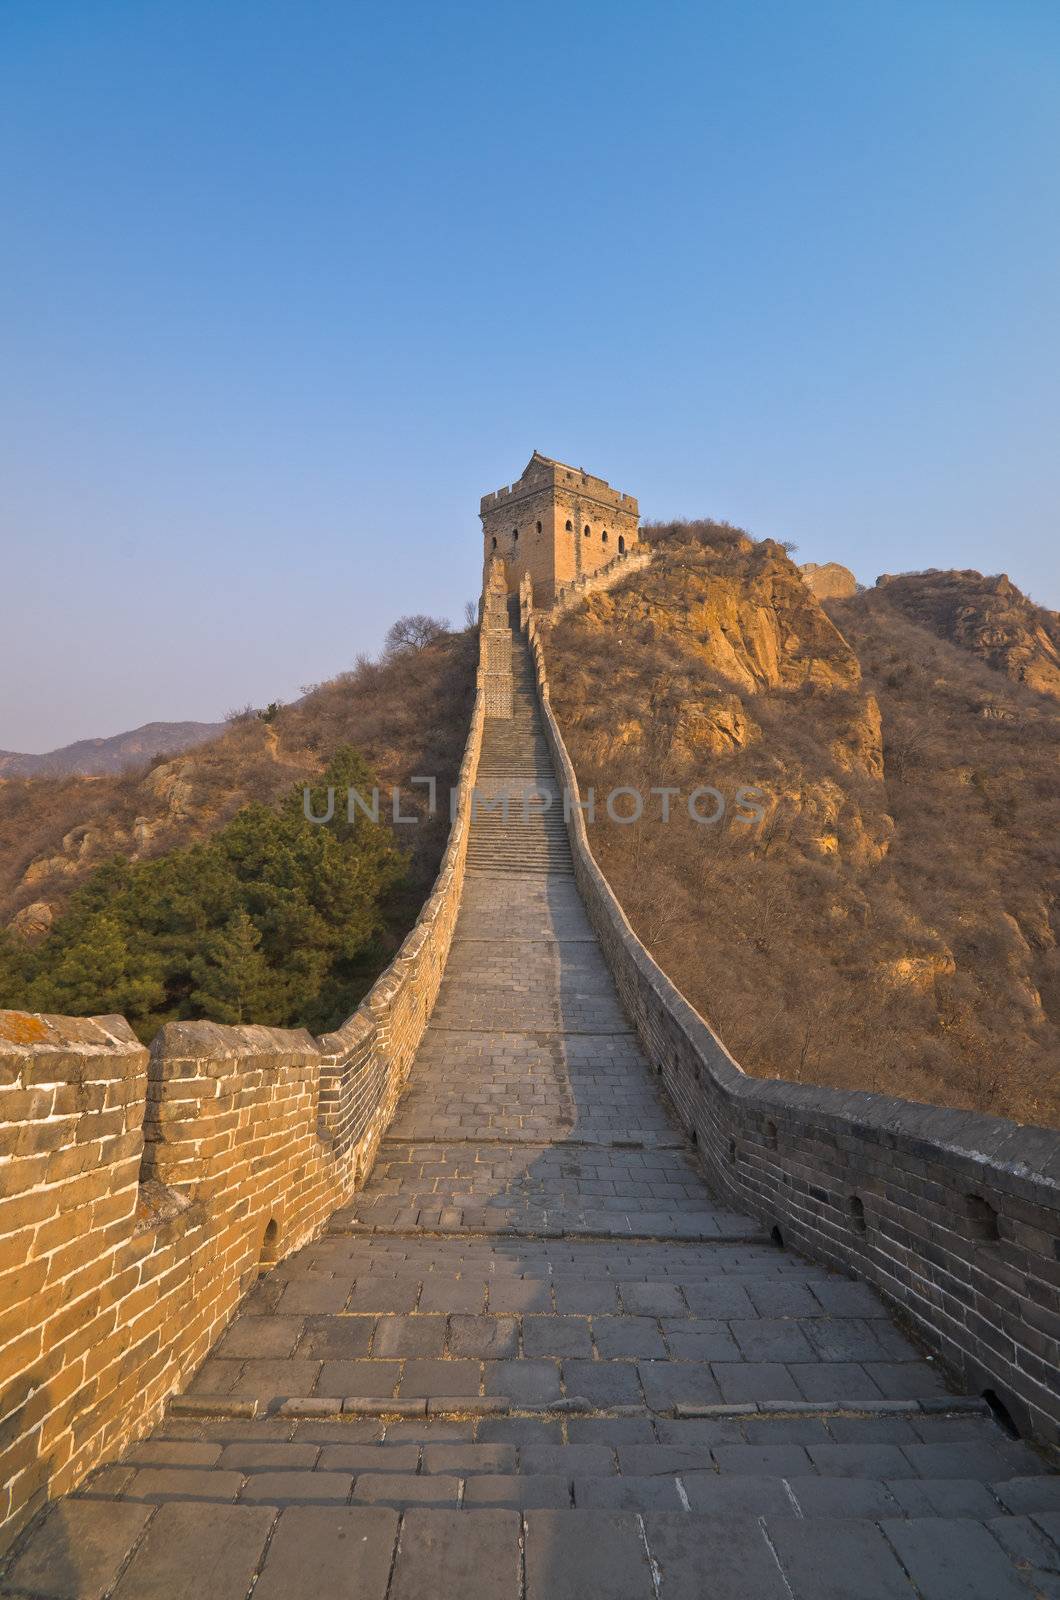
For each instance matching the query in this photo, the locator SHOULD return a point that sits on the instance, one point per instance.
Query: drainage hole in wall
(732, 1151)
(857, 1214)
(269, 1244)
(1002, 1414)
(777, 1238)
(981, 1218)
(771, 1135)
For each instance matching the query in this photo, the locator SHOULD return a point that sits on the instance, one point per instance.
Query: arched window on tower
(621, 544)
(570, 526)
(515, 535)
(539, 527)
(587, 530)
(494, 541)
(603, 536)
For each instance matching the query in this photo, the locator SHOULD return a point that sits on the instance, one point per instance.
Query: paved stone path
(565, 1371)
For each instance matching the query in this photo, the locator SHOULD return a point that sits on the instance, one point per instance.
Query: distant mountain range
(91, 758)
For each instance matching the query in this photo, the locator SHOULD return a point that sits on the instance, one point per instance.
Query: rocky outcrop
(829, 581)
(744, 613)
(891, 923)
(988, 616)
(34, 920)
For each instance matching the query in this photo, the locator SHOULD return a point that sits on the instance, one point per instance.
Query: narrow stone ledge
(212, 1405)
(356, 1405)
(684, 1409)
(309, 1406)
(954, 1404)
(468, 1405)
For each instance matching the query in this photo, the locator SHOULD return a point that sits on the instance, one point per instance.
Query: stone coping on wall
(952, 1215)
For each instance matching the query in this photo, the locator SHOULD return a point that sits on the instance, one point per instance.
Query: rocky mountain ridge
(988, 616)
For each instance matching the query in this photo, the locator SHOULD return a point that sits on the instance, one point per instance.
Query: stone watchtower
(557, 524)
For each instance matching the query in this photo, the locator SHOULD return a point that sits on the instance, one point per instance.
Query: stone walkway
(535, 1360)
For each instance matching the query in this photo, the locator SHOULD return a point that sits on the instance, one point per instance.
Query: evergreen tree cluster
(274, 919)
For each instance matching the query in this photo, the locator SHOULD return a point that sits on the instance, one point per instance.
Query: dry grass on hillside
(407, 714)
(892, 925)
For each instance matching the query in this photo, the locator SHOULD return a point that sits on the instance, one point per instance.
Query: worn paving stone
(1035, 1494)
(1029, 1547)
(485, 1338)
(860, 1461)
(604, 1383)
(954, 1560)
(779, 1459)
(318, 1550)
(846, 1497)
(419, 1335)
(79, 1549)
(184, 1483)
(251, 1336)
(197, 1552)
(830, 1560)
(531, 1493)
(723, 1558)
(369, 1457)
(627, 1494)
(249, 1456)
(467, 1459)
(337, 1338)
(378, 1378)
(628, 1337)
(407, 1489)
(283, 1488)
(588, 1460)
(573, 1554)
(730, 1493)
(442, 1555)
(173, 1453)
(556, 1336)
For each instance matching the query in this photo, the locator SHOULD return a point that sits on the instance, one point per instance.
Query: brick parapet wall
(141, 1191)
(954, 1217)
(496, 649)
(571, 594)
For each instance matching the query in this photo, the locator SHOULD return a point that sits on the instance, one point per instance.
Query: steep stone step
(521, 1545)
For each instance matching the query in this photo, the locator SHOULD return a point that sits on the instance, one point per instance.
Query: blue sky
(287, 286)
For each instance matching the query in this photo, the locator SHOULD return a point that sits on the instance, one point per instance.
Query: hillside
(988, 616)
(891, 924)
(73, 850)
(90, 757)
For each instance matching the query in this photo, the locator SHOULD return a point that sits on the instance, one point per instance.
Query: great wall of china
(480, 1218)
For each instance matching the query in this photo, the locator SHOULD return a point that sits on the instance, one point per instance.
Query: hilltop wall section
(141, 1192)
(555, 524)
(954, 1217)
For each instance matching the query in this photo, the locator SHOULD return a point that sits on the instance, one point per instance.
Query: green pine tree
(97, 973)
(233, 981)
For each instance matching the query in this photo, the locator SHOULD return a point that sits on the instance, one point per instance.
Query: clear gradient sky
(287, 284)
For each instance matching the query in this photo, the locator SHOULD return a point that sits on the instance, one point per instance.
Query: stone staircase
(535, 1360)
(518, 824)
